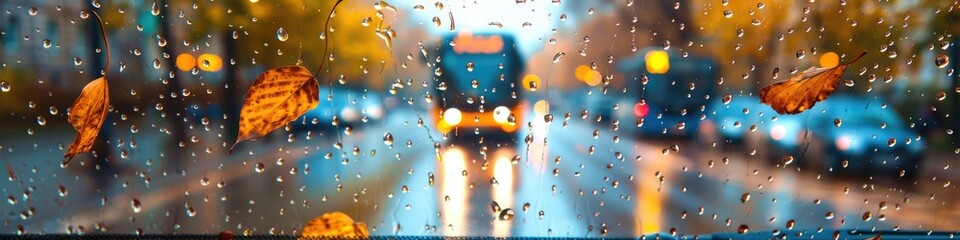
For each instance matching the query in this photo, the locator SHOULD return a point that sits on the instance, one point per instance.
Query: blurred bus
(667, 92)
(477, 85)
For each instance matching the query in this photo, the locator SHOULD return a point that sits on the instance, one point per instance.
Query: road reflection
(454, 192)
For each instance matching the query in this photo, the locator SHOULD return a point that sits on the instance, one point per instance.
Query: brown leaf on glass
(802, 91)
(87, 115)
(335, 224)
(278, 96)
(90, 109)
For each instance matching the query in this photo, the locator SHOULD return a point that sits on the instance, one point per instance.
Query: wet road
(567, 181)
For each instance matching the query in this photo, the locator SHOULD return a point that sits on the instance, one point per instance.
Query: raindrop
(33, 11)
(941, 95)
(506, 214)
(728, 13)
(837, 122)
(155, 9)
(381, 5)
(388, 139)
(942, 60)
(282, 34)
(495, 207)
(727, 98)
(558, 56)
(743, 229)
(47, 43)
(4, 86)
(135, 205)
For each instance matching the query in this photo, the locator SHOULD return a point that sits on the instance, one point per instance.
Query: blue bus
(477, 85)
(667, 92)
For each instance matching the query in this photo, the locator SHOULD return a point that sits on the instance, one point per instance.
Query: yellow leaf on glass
(278, 96)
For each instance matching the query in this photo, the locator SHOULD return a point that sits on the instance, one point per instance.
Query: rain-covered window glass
(680, 119)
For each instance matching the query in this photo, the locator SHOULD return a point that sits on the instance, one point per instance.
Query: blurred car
(352, 108)
(859, 133)
(845, 133)
(730, 122)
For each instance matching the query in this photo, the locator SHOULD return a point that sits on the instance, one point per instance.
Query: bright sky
(530, 22)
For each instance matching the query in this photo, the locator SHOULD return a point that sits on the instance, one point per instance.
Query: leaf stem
(106, 44)
(326, 43)
(864, 53)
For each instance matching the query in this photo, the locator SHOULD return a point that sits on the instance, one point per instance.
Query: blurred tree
(745, 37)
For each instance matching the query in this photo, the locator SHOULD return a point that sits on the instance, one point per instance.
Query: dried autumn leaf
(87, 115)
(278, 96)
(335, 224)
(803, 90)
(90, 109)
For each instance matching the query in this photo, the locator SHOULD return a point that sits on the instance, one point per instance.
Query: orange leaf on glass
(802, 91)
(278, 96)
(90, 109)
(87, 115)
(335, 224)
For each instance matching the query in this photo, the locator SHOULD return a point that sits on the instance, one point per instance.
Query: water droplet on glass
(155, 9)
(506, 214)
(47, 43)
(743, 229)
(366, 21)
(381, 5)
(728, 13)
(4, 86)
(282, 34)
(942, 60)
(558, 56)
(33, 11)
(135, 205)
(941, 96)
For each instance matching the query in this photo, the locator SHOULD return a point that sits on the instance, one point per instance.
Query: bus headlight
(501, 114)
(452, 116)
